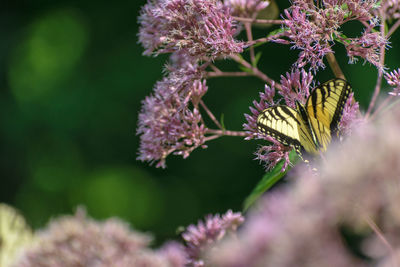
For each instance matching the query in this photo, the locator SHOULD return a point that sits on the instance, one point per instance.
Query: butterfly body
(308, 127)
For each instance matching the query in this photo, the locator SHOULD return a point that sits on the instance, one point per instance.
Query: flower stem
(259, 21)
(214, 74)
(256, 71)
(393, 28)
(265, 39)
(384, 106)
(380, 235)
(249, 34)
(227, 133)
(210, 114)
(337, 71)
(380, 72)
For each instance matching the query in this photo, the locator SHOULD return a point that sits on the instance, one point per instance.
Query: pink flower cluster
(313, 29)
(167, 124)
(81, 241)
(202, 28)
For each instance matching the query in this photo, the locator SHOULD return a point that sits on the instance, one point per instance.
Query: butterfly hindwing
(325, 108)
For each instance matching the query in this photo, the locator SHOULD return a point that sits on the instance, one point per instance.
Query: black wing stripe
(344, 95)
(288, 112)
(284, 139)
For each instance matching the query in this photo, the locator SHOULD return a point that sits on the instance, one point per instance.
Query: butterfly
(308, 127)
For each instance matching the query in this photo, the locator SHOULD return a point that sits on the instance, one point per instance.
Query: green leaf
(339, 40)
(270, 179)
(256, 59)
(221, 120)
(244, 69)
(279, 30)
(271, 33)
(386, 28)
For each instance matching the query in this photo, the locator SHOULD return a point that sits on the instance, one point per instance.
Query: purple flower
(273, 154)
(246, 8)
(266, 100)
(167, 123)
(351, 116)
(296, 87)
(367, 47)
(201, 236)
(313, 29)
(393, 79)
(202, 28)
(308, 36)
(81, 241)
(181, 60)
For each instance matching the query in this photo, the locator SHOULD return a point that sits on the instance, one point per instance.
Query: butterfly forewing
(286, 125)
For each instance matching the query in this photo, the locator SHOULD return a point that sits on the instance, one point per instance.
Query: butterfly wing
(287, 126)
(325, 109)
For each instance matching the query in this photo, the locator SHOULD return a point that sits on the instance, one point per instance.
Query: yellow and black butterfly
(309, 127)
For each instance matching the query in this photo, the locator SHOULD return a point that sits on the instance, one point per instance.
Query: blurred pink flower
(80, 241)
(302, 224)
(205, 234)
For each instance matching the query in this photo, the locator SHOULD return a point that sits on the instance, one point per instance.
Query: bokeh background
(72, 78)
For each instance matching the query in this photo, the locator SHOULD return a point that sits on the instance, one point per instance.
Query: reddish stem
(380, 72)
(393, 28)
(380, 235)
(210, 114)
(227, 133)
(227, 74)
(259, 21)
(265, 39)
(256, 71)
(337, 71)
(249, 34)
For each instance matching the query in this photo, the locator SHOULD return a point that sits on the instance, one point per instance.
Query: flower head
(167, 123)
(266, 100)
(314, 28)
(393, 79)
(296, 87)
(201, 236)
(80, 241)
(367, 47)
(351, 117)
(202, 28)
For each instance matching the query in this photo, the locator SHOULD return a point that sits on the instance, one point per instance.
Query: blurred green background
(72, 78)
